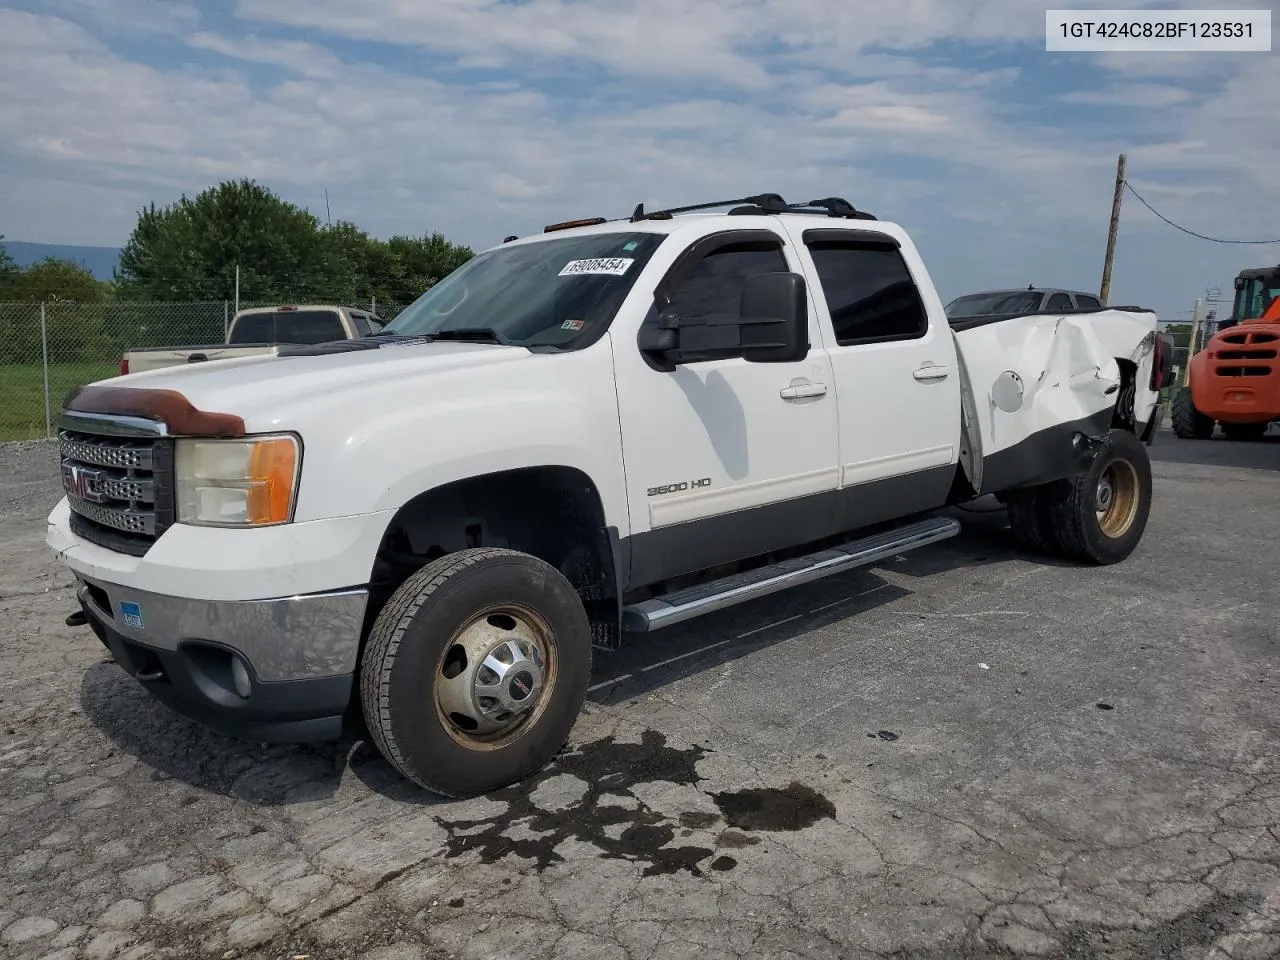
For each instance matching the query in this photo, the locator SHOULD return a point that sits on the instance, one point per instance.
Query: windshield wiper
(477, 334)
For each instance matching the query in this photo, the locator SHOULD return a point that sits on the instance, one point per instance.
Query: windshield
(1006, 301)
(551, 293)
(1256, 296)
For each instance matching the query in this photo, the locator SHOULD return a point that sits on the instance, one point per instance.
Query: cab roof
(664, 220)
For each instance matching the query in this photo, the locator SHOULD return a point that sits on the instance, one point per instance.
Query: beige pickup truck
(261, 330)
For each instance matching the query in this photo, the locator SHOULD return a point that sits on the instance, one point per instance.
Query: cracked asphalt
(967, 752)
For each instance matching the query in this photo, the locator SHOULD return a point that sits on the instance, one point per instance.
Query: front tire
(475, 671)
(1099, 516)
(1188, 422)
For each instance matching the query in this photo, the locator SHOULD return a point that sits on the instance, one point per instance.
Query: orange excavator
(1234, 382)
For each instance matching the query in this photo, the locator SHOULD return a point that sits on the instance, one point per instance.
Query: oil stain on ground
(612, 818)
(609, 816)
(792, 808)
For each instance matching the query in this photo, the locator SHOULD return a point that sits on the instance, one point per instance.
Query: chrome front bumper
(297, 653)
(290, 638)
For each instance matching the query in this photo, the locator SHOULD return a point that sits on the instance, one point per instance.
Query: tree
(52, 280)
(190, 250)
(410, 265)
(8, 270)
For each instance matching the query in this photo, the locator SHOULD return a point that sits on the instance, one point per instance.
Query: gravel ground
(968, 752)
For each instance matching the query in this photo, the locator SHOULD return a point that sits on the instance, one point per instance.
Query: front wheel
(475, 671)
(1100, 515)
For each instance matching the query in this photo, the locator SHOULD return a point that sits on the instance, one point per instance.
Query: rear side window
(288, 326)
(1059, 302)
(869, 291)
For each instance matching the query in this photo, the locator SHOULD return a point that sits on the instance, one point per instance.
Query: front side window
(1059, 303)
(1085, 302)
(713, 287)
(551, 293)
(869, 291)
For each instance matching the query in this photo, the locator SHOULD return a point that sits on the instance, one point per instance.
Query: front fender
(468, 428)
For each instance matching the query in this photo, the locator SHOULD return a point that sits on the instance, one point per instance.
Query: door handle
(930, 371)
(801, 390)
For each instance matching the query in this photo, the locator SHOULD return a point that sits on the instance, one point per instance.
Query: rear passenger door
(896, 376)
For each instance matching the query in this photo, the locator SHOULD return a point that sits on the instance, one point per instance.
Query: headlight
(237, 483)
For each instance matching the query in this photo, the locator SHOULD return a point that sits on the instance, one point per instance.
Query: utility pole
(237, 288)
(1191, 343)
(1104, 293)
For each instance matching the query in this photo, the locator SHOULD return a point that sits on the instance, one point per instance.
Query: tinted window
(1059, 302)
(713, 287)
(288, 326)
(1088, 303)
(361, 323)
(999, 302)
(869, 291)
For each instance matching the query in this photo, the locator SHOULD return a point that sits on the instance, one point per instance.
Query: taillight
(124, 366)
(1159, 363)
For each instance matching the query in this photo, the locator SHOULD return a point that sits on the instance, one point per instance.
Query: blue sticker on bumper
(132, 614)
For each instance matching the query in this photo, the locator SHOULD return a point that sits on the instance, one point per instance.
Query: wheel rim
(495, 677)
(1116, 499)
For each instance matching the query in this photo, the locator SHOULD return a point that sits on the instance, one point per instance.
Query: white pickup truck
(609, 427)
(261, 330)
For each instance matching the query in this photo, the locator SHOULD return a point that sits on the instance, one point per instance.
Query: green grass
(22, 394)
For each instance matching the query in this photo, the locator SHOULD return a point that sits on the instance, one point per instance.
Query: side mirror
(775, 318)
(771, 326)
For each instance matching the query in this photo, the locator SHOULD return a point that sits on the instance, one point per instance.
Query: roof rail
(764, 203)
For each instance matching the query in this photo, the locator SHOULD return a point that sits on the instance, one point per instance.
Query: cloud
(129, 17)
(484, 118)
(304, 58)
(1144, 95)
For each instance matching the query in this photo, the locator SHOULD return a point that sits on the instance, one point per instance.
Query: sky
(484, 118)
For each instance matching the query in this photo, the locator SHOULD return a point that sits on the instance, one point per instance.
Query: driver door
(725, 459)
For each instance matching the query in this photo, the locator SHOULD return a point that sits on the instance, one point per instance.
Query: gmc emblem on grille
(80, 482)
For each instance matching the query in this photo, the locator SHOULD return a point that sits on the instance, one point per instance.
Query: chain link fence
(49, 349)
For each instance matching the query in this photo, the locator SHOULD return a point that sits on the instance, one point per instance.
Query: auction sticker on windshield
(611, 266)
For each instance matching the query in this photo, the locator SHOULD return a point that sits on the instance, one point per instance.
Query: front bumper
(298, 654)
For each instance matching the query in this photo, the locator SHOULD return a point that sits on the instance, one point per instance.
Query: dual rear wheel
(1097, 517)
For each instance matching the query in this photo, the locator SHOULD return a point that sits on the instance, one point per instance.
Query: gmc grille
(120, 489)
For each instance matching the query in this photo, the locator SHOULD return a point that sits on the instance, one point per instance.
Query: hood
(265, 389)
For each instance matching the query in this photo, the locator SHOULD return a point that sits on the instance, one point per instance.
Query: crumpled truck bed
(1031, 382)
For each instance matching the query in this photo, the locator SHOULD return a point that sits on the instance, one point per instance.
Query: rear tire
(475, 671)
(1029, 519)
(1099, 516)
(1244, 431)
(1188, 422)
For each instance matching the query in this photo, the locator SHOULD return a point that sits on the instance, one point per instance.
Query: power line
(1184, 229)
